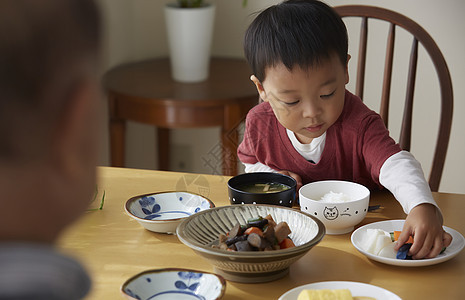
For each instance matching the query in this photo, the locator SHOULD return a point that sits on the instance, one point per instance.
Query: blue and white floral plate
(162, 212)
(174, 283)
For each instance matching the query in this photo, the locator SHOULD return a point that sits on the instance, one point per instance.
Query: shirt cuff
(403, 176)
(258, 167)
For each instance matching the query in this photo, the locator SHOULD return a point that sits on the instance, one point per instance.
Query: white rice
(335, 197)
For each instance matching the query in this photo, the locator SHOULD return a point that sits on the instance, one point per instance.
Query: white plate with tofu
(359, 240)
(358, 290)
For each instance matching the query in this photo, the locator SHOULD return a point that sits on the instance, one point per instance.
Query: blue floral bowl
(174, 283)
(162, 212)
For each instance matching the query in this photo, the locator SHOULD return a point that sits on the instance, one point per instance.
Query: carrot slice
(254, 230)
(397, 234)
(286, 243)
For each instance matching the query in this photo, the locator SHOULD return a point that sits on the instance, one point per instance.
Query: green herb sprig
(102, 200)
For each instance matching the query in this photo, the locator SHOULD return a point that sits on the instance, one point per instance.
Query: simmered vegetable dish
(259, 234)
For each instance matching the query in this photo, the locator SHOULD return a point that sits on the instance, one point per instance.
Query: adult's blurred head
(49, 112)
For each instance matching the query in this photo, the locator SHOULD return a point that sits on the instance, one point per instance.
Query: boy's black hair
(297, 33)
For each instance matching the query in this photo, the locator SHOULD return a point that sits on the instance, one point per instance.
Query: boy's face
(306, 101)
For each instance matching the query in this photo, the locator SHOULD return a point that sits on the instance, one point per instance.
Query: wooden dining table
(113, 246)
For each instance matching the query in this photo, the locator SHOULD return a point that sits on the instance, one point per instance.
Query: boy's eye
(328, 95)
(290, 103)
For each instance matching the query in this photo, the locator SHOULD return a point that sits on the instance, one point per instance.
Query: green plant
(102, 200)
(198, 3)
(190, 3)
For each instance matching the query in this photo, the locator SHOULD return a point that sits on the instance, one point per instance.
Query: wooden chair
(419, 35)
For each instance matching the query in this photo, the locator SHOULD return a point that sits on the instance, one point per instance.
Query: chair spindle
(362, 57)
(386, 92)
(406, 131)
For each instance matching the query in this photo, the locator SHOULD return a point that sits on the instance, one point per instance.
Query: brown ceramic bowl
(201, 231)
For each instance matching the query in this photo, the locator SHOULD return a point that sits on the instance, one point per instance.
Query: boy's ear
(347, 69)
(259, 86)
(72, 142)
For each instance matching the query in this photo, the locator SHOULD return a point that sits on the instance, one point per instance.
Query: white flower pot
(190, 32)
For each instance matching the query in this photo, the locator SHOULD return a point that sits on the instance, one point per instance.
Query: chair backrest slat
(406, 129)
(386, 92)
(362, 57)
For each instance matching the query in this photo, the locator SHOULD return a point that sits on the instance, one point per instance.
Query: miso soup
(269, 187)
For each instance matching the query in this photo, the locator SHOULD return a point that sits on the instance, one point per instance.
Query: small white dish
(174, 283)
(357, 289)
(162, 212)
(458, 242)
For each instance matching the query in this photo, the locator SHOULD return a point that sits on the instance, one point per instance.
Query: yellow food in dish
(341, 294)
(326, 294)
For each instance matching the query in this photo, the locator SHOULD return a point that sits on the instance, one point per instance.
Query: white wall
(135, 30)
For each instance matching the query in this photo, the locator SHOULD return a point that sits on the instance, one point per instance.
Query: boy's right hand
(295, 176)
(424, 223)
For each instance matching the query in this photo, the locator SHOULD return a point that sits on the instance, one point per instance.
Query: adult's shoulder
(21, 262)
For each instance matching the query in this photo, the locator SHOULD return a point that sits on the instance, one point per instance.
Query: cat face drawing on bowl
(331, 213)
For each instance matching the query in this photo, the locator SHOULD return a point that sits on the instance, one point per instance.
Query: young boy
(49, 117)
(311, 128)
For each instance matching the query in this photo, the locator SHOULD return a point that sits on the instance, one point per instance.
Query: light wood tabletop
(114, 247)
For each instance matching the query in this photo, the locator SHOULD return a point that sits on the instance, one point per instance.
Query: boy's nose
(311, 110)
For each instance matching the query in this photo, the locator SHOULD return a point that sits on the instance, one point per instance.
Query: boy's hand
(295, 176)
(424, 223)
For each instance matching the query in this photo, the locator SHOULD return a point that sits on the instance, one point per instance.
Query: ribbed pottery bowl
(201, 231)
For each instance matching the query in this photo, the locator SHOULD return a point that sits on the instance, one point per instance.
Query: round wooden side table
(145, 92)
